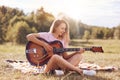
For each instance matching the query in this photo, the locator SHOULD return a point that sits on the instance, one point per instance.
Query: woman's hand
(48, 48)
(81, 50)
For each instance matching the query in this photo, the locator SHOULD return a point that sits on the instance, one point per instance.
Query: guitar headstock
(96, 49)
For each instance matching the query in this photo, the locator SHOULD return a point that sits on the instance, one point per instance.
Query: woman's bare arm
(34, 38)
(68, 55)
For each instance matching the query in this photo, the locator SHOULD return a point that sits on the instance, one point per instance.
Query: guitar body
(37, 55)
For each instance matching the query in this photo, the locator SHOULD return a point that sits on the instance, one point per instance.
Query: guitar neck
(62, 50)
(75, 49)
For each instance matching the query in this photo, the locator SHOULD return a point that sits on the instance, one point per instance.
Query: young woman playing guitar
(59, 31)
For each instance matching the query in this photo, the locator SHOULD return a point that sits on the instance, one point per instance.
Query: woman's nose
(63, 31)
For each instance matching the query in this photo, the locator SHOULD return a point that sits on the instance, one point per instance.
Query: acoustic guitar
(37, 55)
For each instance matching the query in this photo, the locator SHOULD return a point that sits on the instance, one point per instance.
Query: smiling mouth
(62, 33)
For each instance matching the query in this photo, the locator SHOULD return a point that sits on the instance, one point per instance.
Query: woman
(58, 31)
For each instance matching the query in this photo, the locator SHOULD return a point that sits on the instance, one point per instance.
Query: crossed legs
(57, 61)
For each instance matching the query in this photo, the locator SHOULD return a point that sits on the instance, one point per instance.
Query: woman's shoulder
(46, 33)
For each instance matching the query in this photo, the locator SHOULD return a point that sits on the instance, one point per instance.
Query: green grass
(111, 56)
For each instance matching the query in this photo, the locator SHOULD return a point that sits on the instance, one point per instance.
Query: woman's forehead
(63, 25)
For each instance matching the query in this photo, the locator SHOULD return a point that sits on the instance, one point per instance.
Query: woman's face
(60, 30)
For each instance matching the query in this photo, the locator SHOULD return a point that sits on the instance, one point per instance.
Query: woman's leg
(57, 61)
(75, 59)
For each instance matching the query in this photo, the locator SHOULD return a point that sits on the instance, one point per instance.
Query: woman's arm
(68, 55)
(34, 38)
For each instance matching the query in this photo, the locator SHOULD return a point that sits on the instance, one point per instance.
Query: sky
(92, 12)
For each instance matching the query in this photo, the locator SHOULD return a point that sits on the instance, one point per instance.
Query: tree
(6, 14)
(17, 33)
(1, 35)
(117, 34)
(43, 20)
(93, 32)
(100, 34)
(86, 35)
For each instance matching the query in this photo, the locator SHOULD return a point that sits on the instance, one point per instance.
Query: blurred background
(88, 19)
(92, 23)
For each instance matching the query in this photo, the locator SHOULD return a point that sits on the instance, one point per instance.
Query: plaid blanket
(26, 67)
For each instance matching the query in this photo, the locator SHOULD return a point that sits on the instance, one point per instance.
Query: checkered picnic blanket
(26, 67)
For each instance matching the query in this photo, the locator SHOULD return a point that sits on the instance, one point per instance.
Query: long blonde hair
(66, 36)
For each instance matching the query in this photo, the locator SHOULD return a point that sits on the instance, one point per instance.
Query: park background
(15, 25)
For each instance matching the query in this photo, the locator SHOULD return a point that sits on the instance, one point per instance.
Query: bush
(17, 33)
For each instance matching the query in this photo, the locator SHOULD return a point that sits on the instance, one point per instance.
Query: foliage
(1, 36)
(86, 35)
(17, 33)
(6, 14)
(117, 33)
(14, 25)
(41, 22)
(23, 29)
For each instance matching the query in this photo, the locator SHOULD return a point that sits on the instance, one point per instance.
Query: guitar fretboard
(61, 50)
